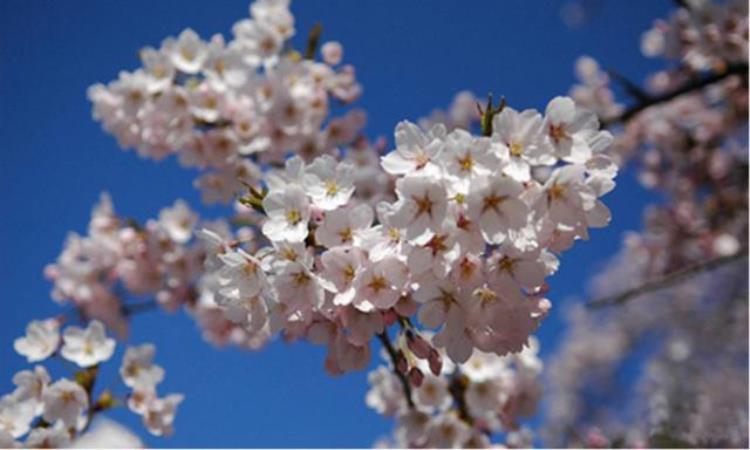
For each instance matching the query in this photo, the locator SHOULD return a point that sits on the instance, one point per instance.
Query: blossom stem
(667, 280)
(457, 389)
(386, 341)
(130, 309)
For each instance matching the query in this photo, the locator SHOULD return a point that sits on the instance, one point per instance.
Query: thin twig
(631, 88)
(697, 84)
(457, 389)
(386, 341)
(129, 309)
(667, 280)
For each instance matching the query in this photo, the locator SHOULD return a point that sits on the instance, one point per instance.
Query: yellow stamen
(293, 216)
(377, 284)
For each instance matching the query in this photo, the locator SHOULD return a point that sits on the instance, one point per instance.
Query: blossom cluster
(57, 414)
(688, 137)
(227, 107)
(690, 146)
(468, 241)
(678, 396)
(118, 257)
(103, 274)
(451, 235)
(704, 35)
(462, 405)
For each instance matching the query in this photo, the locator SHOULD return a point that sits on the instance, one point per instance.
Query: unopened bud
(401, 364)
(436, 362)
(418, 345)
(416, 377)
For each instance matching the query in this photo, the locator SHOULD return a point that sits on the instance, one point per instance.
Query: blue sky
(410, 56)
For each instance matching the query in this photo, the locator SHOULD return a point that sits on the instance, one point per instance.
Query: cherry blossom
(65, 401)
(87, 347)
(520, 138)
(439, 247)
(41, 340)
(288, 212)
(138, 368)
(160, 413)
(15, 417)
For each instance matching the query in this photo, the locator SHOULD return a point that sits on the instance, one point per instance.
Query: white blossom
(41, 340)
(87, 347)
(65, 401)
(138, 368)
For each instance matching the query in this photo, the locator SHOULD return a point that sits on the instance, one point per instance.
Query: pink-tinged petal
(560, 110)
(432, 314)
(599, 216)
(529, 273)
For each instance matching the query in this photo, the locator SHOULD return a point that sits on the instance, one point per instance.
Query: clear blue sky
(410, 56)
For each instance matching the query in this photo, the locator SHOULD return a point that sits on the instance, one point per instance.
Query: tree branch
(129, 309)
(694, 85)
(386, 341)
(457, 389)
(667, 280)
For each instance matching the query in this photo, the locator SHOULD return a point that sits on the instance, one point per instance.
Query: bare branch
(667, 280)
(129, 309)
(694, 85)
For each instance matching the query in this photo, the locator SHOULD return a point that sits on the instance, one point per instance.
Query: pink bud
(418, 345)
(401, 364)
(415, 377)
(436, 362)
(317, 215)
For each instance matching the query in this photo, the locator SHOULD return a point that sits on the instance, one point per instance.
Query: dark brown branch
(667, 280)
(457, 389)
(631, 88)
(386, 341)
(682, 4)
(694, 85)
(129, 309)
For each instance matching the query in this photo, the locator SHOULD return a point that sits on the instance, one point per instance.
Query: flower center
(349, 272)
(437, 244)
(421, 159)
(505, 264)
(516, 149)
(557, 132)
(556, 191)
(300, 278)
(424, 205)
(377, 284)
(466, 163)
(346, 235)
(187, 54)
(293, 216)
(492, 202)
(331, 188)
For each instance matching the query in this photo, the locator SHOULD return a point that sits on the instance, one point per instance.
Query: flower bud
(418, 345)
(416, 377)
(401, 364)
(436, 362)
